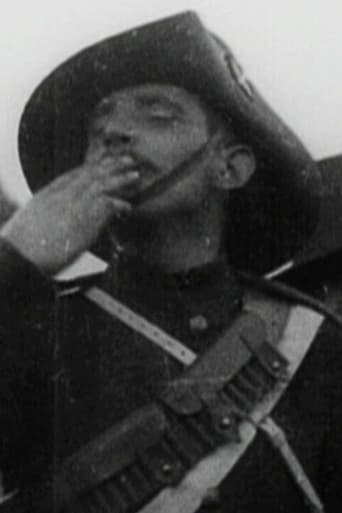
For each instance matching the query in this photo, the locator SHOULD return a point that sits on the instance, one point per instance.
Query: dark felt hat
(279, 208)
(317, 268)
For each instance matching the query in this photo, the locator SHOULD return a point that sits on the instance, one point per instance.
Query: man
(169, 383)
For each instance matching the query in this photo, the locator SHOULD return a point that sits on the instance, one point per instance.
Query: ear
(234, 168)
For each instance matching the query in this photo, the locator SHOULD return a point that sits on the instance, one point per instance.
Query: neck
(179, 242)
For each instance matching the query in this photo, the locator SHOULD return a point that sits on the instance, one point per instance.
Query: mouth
(150, 175)
(138, 163)
(153, 181)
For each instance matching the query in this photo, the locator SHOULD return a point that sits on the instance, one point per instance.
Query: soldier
(171, 382)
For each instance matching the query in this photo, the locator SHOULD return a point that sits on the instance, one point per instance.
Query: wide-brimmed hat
(274, 214)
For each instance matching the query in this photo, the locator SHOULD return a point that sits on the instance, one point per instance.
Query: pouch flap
(112, 451)
(217, 366)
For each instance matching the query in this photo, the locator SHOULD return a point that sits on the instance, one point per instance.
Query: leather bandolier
(217, 404)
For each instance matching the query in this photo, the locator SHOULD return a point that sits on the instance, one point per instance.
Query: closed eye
(162, 115)
(159, 109)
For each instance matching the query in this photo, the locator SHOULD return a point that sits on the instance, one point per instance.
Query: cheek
(170, 148)
(192, 190)
(184, 197)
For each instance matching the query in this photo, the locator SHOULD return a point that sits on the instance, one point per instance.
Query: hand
(66, 217)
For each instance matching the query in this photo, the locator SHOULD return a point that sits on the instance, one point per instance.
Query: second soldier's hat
(327, 238)
(278, 209)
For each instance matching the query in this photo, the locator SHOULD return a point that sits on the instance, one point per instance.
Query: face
(160, 126)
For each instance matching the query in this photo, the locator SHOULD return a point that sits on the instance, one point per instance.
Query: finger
(121, 182)
(119, 206)
(102, 154)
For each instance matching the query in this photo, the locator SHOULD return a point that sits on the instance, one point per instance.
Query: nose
(117, 137)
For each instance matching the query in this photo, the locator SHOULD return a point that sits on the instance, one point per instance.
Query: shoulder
(299, 323)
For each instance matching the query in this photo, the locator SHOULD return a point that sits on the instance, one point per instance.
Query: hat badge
(239, 75)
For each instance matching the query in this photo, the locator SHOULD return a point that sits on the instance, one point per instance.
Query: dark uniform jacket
(69, 372)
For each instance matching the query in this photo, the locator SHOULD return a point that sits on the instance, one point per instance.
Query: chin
(156, 209)
(153, 210)
(172, 203)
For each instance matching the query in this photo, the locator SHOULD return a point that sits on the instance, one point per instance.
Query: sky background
(292, 51)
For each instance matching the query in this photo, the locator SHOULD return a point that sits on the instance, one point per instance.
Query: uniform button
(225, 423)
(198, 324)
(167, 468)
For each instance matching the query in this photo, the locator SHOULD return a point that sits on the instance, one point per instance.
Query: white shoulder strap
(86, 265)
(299, 333)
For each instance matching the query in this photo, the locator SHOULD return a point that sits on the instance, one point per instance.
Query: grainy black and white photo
(170, 257)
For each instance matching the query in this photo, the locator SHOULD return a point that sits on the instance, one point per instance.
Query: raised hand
(66, 217)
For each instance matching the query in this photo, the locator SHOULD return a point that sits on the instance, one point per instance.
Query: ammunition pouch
(199, 411)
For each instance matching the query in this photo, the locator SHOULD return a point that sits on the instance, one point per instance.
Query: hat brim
(284, 196)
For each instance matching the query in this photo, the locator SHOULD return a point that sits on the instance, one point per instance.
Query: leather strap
(141, 325)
